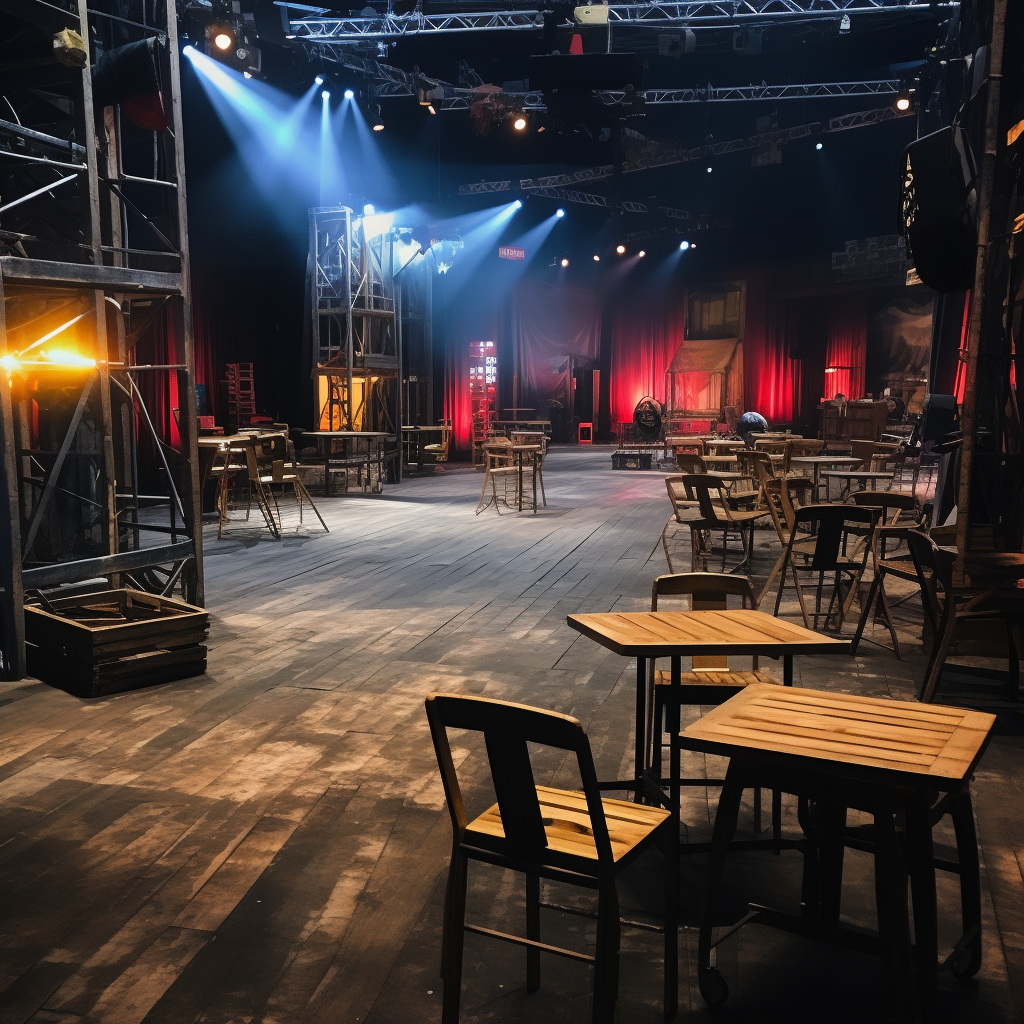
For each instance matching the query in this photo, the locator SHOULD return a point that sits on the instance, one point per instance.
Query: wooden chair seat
(567, 826)
(714, 677)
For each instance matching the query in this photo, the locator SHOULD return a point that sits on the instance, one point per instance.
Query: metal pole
(349, 327)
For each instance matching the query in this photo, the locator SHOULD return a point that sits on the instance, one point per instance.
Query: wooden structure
(483, 395)
(109, 266)
(881, 756)
(704, 377)
(355, 340)
(115, 640)
(862, 418)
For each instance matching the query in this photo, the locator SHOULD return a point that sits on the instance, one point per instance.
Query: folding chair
(716, 514)
(563, 835)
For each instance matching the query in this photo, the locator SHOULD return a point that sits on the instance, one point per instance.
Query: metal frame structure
(100, 255)
(356, 354)
(696, 14)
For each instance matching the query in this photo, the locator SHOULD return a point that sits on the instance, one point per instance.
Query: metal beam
(696, 14)
(16, 270)
(106, 565)
(753, 93)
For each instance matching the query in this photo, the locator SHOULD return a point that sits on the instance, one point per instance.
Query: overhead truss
(695, 14)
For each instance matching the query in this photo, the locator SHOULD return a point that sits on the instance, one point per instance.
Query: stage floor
(268, 843)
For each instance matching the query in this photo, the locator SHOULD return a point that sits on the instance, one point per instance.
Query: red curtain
(772, 325)
(846, 349)
(645, 335)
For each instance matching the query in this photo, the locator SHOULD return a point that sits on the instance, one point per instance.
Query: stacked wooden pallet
(92, 645)
(241, 394)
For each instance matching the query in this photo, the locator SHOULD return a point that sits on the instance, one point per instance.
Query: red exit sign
(507, 253)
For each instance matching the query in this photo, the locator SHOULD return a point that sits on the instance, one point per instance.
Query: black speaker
(939, 209)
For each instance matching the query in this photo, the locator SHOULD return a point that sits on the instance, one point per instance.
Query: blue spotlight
(187, 51)
(319, 79)
(349, 94)
(325, 95)
(518, 204)
(709, 170)
(368, 210)
(817, 145)
(559, 213)
(683, 246)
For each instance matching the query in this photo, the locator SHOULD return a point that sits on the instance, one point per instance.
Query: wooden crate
(92, 645)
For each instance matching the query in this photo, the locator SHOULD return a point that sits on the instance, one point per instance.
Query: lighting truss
(695, 14)
(746, 93)
(664, 157)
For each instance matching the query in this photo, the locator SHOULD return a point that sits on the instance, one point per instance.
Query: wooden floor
(268, 843)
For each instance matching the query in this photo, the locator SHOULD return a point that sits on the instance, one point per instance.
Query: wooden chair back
(763, 467)
(781, 504)
(689, 463)
(507, 729)
(805, 447)
(897, 501)
(830, 525)
(699, 487)
(708, 591)
(498, 451)
(871, 452)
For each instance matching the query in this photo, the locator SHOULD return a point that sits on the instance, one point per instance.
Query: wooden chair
(711, 681)
(438, 451)
(894, 508)
(935, 567)
(717, 515)
(563, 835)
(498, 468)
(873, 455)
(828, 524)
(782, 498)
(683, 510)
(689, 462)
(777, 448)
(269, 452)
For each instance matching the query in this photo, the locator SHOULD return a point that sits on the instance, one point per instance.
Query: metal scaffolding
(95, 258)
(355, 345)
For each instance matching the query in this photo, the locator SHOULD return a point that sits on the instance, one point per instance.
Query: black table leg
(921, 862)
(893, 920)
(673, 733)
(641, 727)
(962, 813)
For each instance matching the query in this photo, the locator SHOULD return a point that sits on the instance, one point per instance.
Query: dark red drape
(846, 350)
(772, 327)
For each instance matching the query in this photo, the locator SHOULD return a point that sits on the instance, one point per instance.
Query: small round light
(903, 103)
(368, 210)
(641, 253)
(325, 95)
(597, 259)
(709, 170)
(817, 145)
(223, 41)
(519, 123)
(620, 249)
(683, 246)
(559, 213)
(378, 126)
(188, 51)
(319, 80)
(565, 263)
(349, 94)
(241, 53)
(518, 204)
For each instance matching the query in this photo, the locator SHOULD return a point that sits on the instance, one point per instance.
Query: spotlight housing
(319, 80)
(709, 170)
(817, 145)
(620, 249)
(349, 94)
(518, 204)
(641, 254)
(519, 123)
(223, 39)
(325, 95)
(904, 100)
(368, 210)
(559, 212)
(684, 245)
(565, 263)
(597, 259)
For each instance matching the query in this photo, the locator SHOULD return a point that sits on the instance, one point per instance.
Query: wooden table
(817, 461)
(375, 440)
(413, 438)
(672, 635)
(518, 452)
(875, 755)
(849, 475)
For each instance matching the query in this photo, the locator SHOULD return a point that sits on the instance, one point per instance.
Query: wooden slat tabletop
(854, 736)
(736, 631)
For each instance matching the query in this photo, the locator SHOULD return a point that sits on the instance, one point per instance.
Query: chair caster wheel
(712, 986)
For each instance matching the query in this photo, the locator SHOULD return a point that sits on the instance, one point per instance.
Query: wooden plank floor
(267, 843)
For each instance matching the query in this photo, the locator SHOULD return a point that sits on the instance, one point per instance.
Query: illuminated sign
(507, 253)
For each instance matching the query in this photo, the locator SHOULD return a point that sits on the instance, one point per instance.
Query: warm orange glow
(54, 358)
(222, 41)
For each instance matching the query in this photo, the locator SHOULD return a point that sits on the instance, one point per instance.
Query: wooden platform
(268, 845)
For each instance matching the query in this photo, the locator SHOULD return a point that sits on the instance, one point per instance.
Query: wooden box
(631, 460)
(92, 645)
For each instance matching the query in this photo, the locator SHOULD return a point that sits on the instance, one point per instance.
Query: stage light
(518, 204)
(223, 40)
(709, 170)
(519, 123)
(903, 100)
(319, 79)
(378, 124)
(325, 95)
(683, 246)
(559, 213)
(641, 254)
(620, 249)
(430, 107)
(349, 94)
(368, 210)
(817, 145)
(565, 263)
(597, 259)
